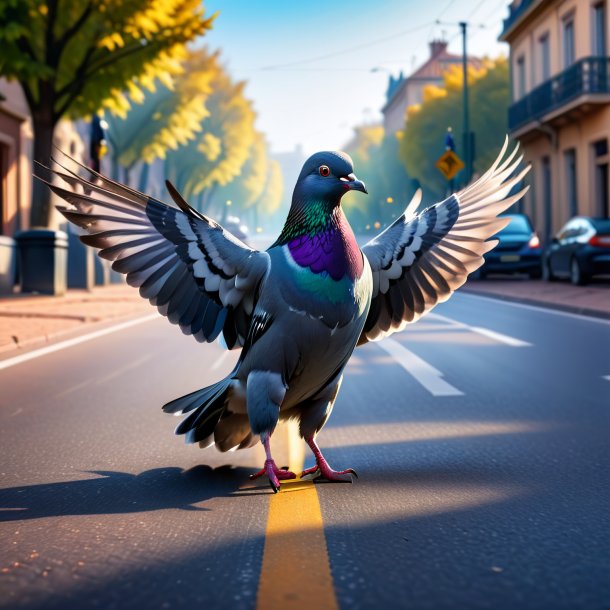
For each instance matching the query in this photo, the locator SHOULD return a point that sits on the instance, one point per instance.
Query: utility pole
(467, 137)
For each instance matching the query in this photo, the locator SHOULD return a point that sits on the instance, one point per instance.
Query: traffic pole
(467, 143)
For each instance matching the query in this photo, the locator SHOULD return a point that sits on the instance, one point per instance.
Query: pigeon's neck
(320, 238)
(307, 219)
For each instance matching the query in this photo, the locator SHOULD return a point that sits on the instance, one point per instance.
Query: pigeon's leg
(322, 470)
(265, 392)
(274, 473)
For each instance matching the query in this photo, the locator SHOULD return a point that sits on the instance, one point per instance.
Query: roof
(519, 10)
(431, 70)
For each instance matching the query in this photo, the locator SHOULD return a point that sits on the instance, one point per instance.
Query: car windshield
(602, 225)
(518, 224)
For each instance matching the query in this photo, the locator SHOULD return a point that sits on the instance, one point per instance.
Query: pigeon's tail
(207, 406)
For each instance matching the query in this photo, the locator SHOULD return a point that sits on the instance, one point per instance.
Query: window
(545, 58)
(520, 77)
(571, 191)
(568, 42)
(599, 30)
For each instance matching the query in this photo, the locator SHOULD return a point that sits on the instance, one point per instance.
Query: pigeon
(297, 310)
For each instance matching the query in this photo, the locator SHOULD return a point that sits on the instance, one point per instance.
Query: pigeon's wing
(420, 260)
(196, 273)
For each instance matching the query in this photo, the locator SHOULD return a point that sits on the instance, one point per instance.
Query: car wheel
(577, 277)
(547, 272)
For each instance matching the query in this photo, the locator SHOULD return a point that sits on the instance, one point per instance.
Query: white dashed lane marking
(419, 369)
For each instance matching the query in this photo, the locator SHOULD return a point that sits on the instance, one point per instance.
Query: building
(16, 142)
(560, 73)
(404, 91)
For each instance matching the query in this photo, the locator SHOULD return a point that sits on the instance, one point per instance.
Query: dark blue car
(518, 251)
(579, 251)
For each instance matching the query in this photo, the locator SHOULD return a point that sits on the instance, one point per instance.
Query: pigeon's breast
(318, 295)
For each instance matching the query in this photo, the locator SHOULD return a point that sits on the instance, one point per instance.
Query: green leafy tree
(74, 56)
(377, 162)
(216, 156)
(245, 190)
(424, 134)
(164, 119)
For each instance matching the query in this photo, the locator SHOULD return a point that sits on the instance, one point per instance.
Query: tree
(423, 138)
(271, 198)
(165, 118)
(74, 56)
(216, 156)
(246, 188)
(377, 162)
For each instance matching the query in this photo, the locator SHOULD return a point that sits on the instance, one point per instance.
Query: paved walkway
(592, 299)
(32, 321)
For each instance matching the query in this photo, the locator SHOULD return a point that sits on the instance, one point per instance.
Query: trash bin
(8, 264)
(43, 260)
(81, 270)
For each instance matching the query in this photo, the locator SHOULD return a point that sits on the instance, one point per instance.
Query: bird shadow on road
(121, 492)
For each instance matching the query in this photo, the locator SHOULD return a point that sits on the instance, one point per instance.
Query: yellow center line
(295, 573)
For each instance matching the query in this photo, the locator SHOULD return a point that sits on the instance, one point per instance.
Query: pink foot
(324, 471)
(274, 473)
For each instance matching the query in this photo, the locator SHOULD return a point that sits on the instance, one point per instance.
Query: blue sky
(308, 63)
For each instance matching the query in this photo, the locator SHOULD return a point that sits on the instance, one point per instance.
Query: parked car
(579, 251)
(518, 251)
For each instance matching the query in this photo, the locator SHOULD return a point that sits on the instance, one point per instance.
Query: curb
(582, 311)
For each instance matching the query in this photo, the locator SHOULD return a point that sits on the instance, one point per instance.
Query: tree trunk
(44, 128)
(115, 168)
(144, 178)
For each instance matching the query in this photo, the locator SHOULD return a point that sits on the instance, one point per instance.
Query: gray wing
(421, 260)
(196, 273)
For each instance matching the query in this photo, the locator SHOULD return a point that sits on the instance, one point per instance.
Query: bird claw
(326, 473)
(274, 473)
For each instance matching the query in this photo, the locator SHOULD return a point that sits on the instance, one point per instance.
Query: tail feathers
(207, 405)
(191, 401)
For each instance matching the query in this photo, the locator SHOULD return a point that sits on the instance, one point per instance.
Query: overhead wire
(348, 50)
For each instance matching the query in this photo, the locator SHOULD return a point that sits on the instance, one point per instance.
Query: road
(480, 436)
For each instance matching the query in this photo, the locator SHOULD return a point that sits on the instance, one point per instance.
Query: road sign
(449, 164)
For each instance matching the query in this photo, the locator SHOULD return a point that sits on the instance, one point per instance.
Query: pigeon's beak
(351, 183)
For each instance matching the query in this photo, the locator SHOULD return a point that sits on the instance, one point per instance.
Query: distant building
(560, 73)
(406, 91)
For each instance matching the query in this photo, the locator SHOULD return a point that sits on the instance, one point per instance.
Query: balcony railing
(588, 76)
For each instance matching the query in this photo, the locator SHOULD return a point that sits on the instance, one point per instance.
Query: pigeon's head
(328, 176)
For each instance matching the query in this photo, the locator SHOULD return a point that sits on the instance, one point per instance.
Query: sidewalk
(33, 321)
(590, 300)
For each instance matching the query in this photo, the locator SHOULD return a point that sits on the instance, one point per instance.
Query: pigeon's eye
(324, 170)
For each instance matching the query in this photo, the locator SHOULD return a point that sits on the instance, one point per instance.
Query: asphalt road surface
(480, 436)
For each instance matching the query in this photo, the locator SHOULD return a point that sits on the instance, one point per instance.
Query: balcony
(583, 84)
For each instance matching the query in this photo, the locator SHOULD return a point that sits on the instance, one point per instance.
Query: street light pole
(467, 138)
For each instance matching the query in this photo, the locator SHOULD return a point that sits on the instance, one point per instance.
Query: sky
(315, 69)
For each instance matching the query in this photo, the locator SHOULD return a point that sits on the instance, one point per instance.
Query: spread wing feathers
(197, 274)
(420, 260)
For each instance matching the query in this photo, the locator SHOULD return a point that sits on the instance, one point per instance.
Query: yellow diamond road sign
(449, 164)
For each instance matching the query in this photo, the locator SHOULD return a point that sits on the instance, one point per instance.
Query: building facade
(560, 111)
(16, 139)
